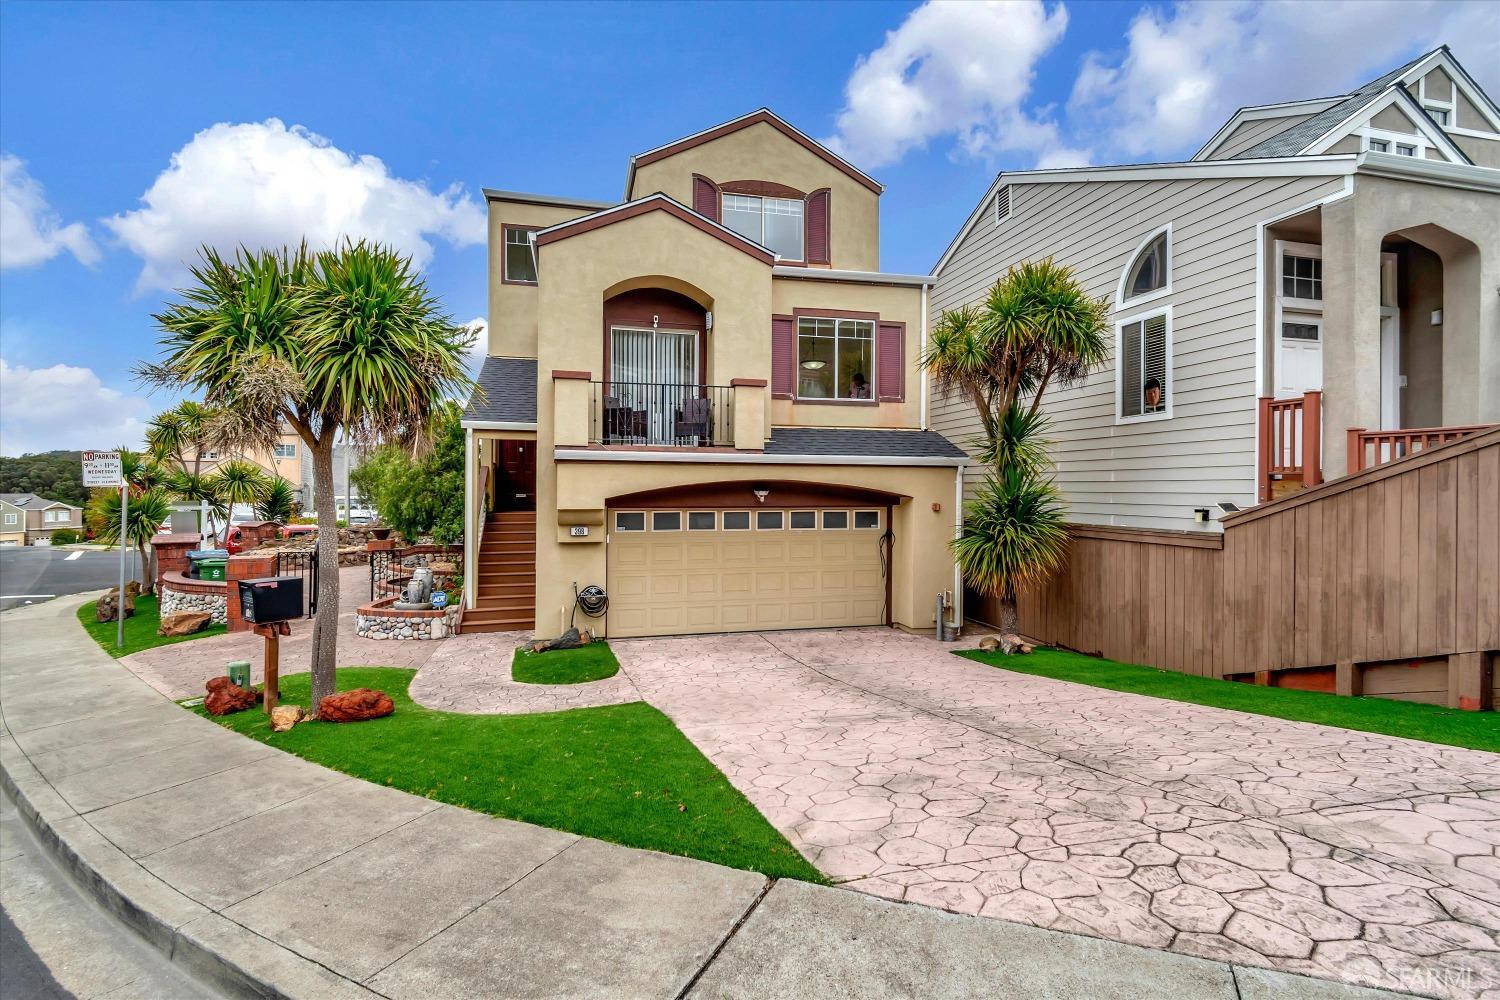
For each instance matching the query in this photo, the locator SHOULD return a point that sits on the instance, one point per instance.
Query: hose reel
(592, 600)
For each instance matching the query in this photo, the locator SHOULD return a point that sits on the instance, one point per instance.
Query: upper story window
(520, 258)
(835, 358)
(11, 518)
(1440, 115)
(284, 450)
(775, 223)
(1144, 351)
(1301, 277)
(1405, 149)
(1380, 146)
(1149, 273)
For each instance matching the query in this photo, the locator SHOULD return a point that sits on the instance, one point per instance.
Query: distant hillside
(56, 475)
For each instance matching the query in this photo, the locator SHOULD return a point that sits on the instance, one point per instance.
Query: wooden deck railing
(1368, 449)
(1291, 441)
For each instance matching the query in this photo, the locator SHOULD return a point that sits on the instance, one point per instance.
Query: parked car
(292, 530)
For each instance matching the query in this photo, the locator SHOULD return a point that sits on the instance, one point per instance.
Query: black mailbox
(271, 599)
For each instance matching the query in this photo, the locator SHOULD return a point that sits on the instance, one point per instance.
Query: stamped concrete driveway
(907, 772)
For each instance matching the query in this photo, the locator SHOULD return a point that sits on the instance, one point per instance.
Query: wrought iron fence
(391, 569)
(661, 413)
(303, 564)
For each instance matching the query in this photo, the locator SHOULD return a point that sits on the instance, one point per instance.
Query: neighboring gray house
(1339, 256)
(27, 519)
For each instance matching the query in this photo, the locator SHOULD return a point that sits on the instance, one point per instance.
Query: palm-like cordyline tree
(1036, 327)
(346, 342)
(279, 502)
(238, 482)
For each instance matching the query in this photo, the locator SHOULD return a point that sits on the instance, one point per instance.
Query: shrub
(66, 536)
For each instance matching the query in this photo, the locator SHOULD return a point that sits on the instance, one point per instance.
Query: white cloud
(479, 349)
(65, 406)
(264, 184)
(1185, 69)
(955, 69)
(30, 232)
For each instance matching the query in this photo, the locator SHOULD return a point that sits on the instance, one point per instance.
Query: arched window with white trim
(1149, 274)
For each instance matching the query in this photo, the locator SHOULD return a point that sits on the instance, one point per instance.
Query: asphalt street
(38, 573)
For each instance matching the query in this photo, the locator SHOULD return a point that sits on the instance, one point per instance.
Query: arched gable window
(1150, 270)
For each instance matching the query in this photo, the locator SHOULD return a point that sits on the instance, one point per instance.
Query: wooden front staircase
(505, 600)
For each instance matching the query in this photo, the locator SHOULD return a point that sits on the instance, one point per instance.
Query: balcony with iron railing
(661, 414)
(613, 414)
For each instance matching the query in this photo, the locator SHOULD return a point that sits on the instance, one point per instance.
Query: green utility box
(212, 569)
(239, 673)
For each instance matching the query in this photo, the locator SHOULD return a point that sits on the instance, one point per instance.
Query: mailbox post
(268, 603)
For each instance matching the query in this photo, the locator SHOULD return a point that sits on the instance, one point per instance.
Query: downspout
(958, 531)
(470, 529)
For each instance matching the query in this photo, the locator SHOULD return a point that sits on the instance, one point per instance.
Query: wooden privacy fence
(1385, 582)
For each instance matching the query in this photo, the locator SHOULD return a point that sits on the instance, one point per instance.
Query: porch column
(472, 509)
(749, 413)
(1351, 329)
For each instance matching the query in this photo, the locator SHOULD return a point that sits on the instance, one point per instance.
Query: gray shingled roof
(506, 393)
(30, 501)
(872, 443)
(1293, 140)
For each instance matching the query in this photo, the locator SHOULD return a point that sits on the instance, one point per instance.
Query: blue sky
(96, 100)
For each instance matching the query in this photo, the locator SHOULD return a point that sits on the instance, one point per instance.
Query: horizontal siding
(1249, 133)
(1152, 474)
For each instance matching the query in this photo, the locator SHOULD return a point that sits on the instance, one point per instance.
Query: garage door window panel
(736, 520)
(630, 520)
(769, 520)
(666, 520)
(804, 520)
(702, 520)
(835, 520)
(866, 520)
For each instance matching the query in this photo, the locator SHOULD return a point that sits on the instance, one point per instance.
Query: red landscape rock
(225, 696)
(355, 706)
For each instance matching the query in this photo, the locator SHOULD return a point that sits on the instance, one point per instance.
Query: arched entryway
(748, 555)
(655, 366)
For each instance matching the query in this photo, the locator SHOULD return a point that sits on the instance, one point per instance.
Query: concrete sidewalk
(273, 876)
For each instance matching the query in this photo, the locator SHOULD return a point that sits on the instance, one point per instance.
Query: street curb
(194, 937)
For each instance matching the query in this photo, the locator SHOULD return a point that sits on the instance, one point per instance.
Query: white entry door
(651, 374)
(1299, 355)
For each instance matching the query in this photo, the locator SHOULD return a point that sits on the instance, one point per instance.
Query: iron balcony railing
(661, 413)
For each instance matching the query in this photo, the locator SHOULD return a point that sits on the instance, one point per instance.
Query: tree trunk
(148, 568)
(326, 622)
(1010, 619)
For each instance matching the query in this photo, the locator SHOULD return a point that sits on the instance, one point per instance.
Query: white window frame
(1431, 103)
(645, 521)
(12, 518)
(838, 338)
(761, 236)
(277, 450)
(530, 233)
(1009, 204)
(1169, 389)
(1121, 302)
(688, 521)
(793, 527)
(823, 520)
(756, 520)
(855, 527)
(749, 520)
(1283, 248)
(656, 513)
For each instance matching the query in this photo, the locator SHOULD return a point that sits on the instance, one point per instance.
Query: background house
(27, 519)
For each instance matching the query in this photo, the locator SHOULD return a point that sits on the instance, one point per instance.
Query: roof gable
(1362, 118)
(762, 116)
(654, 203)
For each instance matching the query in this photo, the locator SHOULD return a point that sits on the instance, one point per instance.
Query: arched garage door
(690, 569)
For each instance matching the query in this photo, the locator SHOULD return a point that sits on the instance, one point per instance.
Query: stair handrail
(1398, 443)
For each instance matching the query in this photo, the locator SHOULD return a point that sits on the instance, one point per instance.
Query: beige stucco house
(705, 400)
(27, 519)
(1313, 292)
(284, 459)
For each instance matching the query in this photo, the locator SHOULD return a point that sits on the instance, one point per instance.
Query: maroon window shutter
(817, 227)
(705, 197)
(783, 357)
(890, 363)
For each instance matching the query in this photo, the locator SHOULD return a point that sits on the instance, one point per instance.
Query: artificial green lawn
(622, 773)
(140, 628)
(593, 662)
(1433, 723)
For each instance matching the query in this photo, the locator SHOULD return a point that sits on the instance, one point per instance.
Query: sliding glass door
(652, 375)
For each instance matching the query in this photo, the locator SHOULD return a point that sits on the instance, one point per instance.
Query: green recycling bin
(212, 569)
(239, 673)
